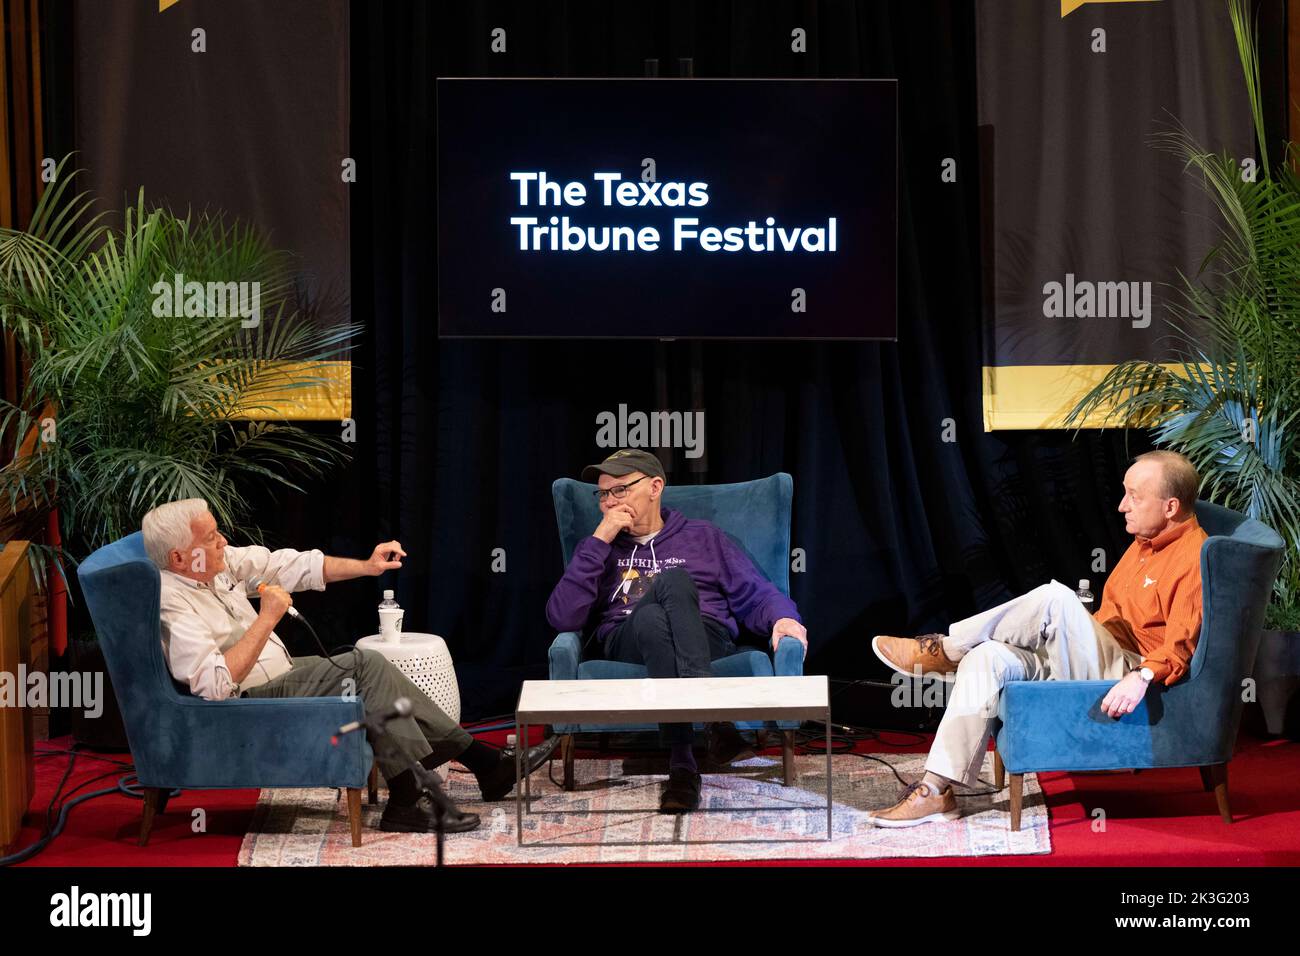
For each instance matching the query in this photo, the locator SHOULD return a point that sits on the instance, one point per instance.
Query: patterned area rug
(611, 817)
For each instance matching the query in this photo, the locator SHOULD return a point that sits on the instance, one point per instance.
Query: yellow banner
(1069, 6)
(1040, 396)
(329, 399)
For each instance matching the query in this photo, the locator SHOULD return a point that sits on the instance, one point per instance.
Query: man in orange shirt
(1145, 631)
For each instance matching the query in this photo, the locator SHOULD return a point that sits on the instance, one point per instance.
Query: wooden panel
(39, 651)
(20, 105)
(17, 766)
(6, 148)
(38, 129)
(21, 151)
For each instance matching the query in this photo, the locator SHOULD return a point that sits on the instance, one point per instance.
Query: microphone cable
(356, 651)
(259, 583)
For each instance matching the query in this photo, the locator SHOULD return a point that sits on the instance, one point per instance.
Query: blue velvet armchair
(757, 515)
(1058, 725)
(182, 741)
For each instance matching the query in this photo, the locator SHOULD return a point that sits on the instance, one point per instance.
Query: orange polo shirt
(1152, 600)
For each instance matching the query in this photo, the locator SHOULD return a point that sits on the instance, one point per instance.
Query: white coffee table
(666, 700)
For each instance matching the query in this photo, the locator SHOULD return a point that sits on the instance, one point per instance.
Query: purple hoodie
(731, 588)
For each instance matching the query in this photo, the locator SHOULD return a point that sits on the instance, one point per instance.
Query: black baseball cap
(624, 462)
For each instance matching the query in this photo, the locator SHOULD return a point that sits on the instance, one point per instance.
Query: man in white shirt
(220, 647)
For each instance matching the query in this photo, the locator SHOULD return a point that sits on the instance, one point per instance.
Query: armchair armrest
(565, 655)
(254, 742)
(1081, 699)
(788, 661)
(1059, 725)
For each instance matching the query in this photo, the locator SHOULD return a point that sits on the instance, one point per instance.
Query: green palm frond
(152, 407)
(1230, 398)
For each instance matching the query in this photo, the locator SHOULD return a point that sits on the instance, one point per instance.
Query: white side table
(426, 662)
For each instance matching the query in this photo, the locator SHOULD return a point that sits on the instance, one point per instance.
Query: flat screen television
(658, 208)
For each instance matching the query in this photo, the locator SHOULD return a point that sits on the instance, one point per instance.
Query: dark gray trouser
(377, 683)
(667, 633)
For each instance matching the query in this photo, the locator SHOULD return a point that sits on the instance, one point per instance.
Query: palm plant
(124, 408)
(1230, 398)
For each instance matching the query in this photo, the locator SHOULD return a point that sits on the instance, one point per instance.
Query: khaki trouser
(1043, 635)
(377, 682)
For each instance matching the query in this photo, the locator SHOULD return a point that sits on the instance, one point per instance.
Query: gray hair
(167, 527)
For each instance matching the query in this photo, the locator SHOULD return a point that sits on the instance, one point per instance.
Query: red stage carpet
(1155, 818)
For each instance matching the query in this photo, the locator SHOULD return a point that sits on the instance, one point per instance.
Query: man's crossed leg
(667, 633)
(428, 737)
(1046, 634)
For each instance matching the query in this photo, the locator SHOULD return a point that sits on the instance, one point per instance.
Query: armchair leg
(1215, 777)
(787, 756)
(567, 748)
(354, 814)
(373, 785)
(1017, 799)
(760, 739)
(155, 799)
(999, 771)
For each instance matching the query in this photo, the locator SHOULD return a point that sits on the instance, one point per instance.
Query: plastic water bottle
(390, 623)
(1085, 594)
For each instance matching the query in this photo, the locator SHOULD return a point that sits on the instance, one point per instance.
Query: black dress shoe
(497, 783)
(725, 744)
(682, 793)
(421, 817)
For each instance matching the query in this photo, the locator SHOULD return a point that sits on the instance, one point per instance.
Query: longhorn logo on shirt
(1147, 582)
(635, 584)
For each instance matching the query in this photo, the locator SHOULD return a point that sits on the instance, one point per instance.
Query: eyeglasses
(618, 491)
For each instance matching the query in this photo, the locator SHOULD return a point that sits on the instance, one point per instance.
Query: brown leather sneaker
(921, 803)
(916, 657)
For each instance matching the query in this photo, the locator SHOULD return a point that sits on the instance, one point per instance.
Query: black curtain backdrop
(459, 441)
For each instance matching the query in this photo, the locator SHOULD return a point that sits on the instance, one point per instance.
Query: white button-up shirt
(200, 622)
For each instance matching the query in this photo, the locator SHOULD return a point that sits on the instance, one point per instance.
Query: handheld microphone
(257, 585)
(254, 587)
(401, 708)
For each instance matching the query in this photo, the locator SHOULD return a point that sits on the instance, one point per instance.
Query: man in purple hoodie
(670, 593)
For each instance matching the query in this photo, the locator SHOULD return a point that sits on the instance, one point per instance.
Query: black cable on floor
(83, 753)
(54, 826)
(811, 739)
(806, 742)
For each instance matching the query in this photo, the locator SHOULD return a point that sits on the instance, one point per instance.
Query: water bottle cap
(1083, 584)
(388, 595)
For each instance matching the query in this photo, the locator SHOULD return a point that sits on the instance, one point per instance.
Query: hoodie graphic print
(603, 582)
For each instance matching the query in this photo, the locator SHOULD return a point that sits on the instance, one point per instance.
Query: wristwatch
(1147, 673)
